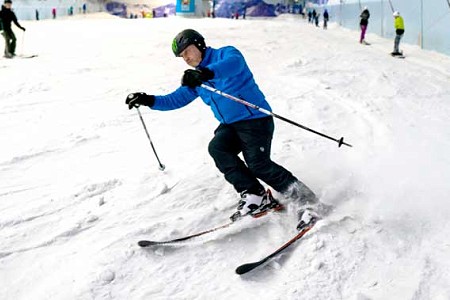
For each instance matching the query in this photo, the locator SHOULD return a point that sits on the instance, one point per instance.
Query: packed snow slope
(80, 184)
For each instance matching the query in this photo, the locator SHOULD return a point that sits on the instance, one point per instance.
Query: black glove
(194, 78)
(137, 99)
(23, 28)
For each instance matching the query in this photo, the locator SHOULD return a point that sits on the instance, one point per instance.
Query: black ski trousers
(253, 138)
(10, 42)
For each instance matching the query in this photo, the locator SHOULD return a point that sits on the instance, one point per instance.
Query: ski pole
(265, 111)
(23, 43)
(392, 7)
(161, 166)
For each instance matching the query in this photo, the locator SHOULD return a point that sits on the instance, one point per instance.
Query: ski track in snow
(80, 185)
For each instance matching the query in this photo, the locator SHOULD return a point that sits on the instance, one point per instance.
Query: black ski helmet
(188, 37)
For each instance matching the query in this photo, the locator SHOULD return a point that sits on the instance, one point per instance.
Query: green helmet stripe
(175, 47)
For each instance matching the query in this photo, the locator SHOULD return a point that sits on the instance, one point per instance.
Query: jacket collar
(206, 58)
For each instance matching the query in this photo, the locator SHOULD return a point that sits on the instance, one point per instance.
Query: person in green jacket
(399, 31)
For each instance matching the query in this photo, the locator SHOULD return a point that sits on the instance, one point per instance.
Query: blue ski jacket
(232, 76)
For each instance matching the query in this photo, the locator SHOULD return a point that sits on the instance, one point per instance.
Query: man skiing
(363, 23)
(399, 31)
(7, 16)
(241, 129)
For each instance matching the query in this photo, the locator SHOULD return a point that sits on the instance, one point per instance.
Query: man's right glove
(193, 78)
(137, 99)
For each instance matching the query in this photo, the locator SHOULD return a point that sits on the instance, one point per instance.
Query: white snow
(79, 184)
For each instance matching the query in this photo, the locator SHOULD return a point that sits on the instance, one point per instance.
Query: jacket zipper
(215, 104)
(246, 107)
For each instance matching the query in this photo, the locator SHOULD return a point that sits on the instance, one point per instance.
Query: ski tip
(145, 243)
(245, 268)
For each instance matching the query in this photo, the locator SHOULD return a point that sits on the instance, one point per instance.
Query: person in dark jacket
(314, 16)
(316, 19)
(363, 23)
(326, 17)
(241, 130)
(7, 16)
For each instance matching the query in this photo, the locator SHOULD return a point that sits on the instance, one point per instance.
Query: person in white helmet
(399, 31)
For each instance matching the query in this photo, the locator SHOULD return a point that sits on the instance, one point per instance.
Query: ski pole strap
(265, 111)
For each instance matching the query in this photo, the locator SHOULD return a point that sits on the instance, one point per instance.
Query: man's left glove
(137, 99)
(194, 78)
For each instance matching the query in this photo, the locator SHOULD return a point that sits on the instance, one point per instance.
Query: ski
(26, 56)
(398, 55)
(245, 268)
(148, 243)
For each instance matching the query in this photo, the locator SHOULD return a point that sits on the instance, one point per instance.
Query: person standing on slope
(399, 31)
(241, 129)
(326, 17)
(363, 23)
(7, 16)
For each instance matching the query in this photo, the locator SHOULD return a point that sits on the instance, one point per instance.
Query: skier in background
(399, 31)
(316, 20)
(363, 23)
(313, 16)
(7, 16)
(241, 128)
(326, 17)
